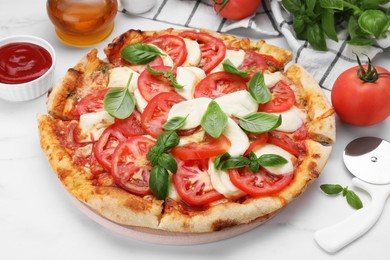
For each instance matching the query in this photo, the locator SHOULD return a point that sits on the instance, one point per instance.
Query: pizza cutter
(368, 158)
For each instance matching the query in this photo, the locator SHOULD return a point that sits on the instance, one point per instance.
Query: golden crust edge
(110, 202)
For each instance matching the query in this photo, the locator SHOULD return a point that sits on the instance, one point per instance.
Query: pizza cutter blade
(368, 158)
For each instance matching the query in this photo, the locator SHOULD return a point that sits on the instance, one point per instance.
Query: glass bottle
(82, 23)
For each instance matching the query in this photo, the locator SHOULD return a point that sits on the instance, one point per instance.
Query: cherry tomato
(236, 9)
(156, 112)
(283, 98)
(150, 85)
(91, 103)
(173, 45)
(218, 84)
(210, 147)
(259, 61)
(213, 50)
(261, 183)
(192, 182)
(113, 135)
(361, 103)
(130, 166)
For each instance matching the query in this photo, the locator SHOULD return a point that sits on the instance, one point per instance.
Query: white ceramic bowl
(137, 6)
(31, 89)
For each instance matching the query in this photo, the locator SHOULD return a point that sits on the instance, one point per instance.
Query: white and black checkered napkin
(269, 20)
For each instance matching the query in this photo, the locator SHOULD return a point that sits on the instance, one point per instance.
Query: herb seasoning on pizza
(187, 131)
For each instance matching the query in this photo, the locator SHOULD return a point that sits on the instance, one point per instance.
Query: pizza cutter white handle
(335, 237)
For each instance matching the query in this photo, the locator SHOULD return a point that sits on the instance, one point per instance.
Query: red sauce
(22, 62)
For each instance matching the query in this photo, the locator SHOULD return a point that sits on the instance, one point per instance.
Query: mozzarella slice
(237, 137)
(119, 77)
(92, 125)
(172, 193)
(270, 79)
(239, 103)
(221, 183)
(188, 77)
(194, 108)
(236, 57)
(292, 119)
(194, 138)
(273, 149)
(141, 103)
(194, 54)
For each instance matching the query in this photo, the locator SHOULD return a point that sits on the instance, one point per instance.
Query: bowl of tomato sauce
(26, 67)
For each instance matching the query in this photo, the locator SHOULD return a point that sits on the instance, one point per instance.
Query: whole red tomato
(235, 9)
(361, 95)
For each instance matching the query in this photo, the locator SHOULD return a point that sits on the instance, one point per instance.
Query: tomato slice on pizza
(173, 45)
(283, 98)
(192, 182)
(218, 84)
(130, 166)
(213, 50)
(156, 112)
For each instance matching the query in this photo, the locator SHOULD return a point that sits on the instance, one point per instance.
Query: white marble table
(38, 221)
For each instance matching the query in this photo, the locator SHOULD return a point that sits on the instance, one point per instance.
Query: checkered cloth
(270, 20)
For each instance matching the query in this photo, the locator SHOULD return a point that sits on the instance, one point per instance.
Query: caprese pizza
(186, 131)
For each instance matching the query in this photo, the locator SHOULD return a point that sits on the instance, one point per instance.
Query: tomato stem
(369, 75)
(221, 3)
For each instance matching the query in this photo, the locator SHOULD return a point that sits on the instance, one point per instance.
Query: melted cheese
(141, 103)
(238, 139)
(93, 124)
(239, 103)
(194, 54)
(188, 77)
(292, 119)
(236, 57)
(119, 77)
(270, 79)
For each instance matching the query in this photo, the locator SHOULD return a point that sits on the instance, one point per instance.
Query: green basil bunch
(314, 20)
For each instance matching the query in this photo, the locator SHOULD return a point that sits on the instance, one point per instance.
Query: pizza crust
(111, 202)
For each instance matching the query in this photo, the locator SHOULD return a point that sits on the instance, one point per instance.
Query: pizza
(186, 131)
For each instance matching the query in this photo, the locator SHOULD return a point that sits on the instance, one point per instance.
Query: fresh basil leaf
(173, 80)
(228, 66)
(175, 123)
(235, 162)
(140, 53)
(372, 4)
(316, 38)
(167, 140)
(310, 5)
(260, 122)
(167, 162)
(119, 102)
(159, 182)
(267, 160)
(293, 6)
(331, 189)
(214, 120)
(299, 24)
(327, 21)
(374, 22)
(332, 4)
(361, 41)
(219, 159)
(353, 200)
(154, 153)
(254, 166)
(257, 88)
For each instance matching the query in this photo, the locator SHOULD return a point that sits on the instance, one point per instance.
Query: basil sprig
(225, 161)
(260, 122)
(119, 102)
(228, 66)
(162, 163)
(352, 199)
(367, 20)
(140, 53)
(175, 123)
(257, 88)
(214, 120)
(167, 74)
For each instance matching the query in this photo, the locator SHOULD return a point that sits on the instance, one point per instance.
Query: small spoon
(368, 158)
